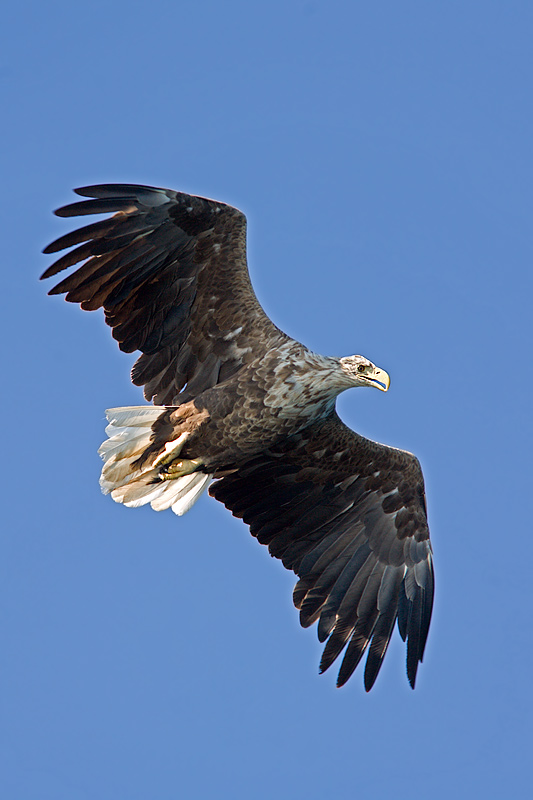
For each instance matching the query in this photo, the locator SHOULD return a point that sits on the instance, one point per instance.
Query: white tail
(129, 431)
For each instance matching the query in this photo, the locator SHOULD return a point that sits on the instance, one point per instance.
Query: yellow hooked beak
(379, 378)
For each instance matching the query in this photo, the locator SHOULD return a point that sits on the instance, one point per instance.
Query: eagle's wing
(348, 515)
(170, 271)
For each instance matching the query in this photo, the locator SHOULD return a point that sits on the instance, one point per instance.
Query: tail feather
(122, 444)
(133, 416)
(130, 431)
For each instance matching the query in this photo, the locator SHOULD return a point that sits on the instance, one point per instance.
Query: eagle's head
(363, 372)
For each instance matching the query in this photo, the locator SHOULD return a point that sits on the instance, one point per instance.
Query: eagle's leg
(177, 469)
(172, 449)
(170, 467)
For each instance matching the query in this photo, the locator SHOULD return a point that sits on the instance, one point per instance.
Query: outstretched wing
(170, 272)
(348, 515)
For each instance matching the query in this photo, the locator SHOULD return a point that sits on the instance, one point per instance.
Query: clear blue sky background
(382, 153)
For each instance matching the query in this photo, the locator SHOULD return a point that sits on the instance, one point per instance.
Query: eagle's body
(270, 399)
(238, 400)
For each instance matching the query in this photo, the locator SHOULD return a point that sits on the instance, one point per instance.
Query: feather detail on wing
(348, 516)
(169, 270)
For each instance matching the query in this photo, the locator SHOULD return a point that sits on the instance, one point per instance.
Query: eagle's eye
(361, 368)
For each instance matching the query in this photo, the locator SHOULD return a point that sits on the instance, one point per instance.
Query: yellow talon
(177, 469)
(172, 449)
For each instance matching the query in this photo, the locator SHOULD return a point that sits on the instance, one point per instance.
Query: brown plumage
(239, 401)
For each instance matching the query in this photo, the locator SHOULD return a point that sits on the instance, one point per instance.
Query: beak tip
(383, 380)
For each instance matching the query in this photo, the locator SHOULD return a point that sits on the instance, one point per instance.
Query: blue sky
(382, 154)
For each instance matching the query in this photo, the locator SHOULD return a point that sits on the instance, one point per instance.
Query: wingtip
(47, 273)
(83, 191)
(411, 672)
(68, 210)
(370, 679)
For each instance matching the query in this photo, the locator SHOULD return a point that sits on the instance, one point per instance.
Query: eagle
(241, 407)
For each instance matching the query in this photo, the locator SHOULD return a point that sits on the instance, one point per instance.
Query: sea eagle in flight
(238, 401)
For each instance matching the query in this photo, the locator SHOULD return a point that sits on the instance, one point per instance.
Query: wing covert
(348, 516)
(169, 270)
